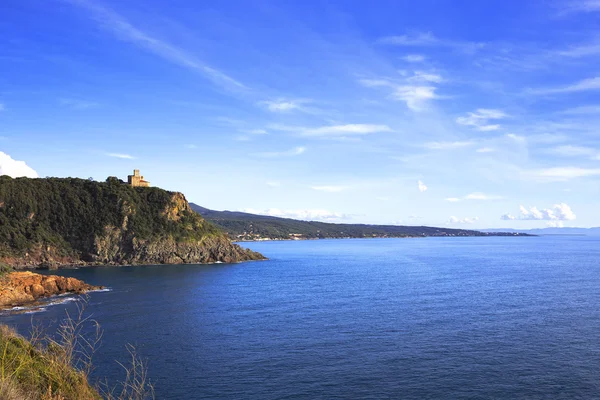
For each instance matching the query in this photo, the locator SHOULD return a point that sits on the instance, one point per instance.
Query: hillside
(244, 226)
(66, 221)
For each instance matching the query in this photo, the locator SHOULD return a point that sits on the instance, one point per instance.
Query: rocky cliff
(19, 288)
(58, 222)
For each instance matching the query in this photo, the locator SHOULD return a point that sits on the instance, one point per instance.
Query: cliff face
(58, 222)
(19, 288)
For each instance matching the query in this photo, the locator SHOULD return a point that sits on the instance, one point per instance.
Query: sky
(471, 114)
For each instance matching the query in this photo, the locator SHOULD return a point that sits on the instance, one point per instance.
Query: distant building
(136, 180)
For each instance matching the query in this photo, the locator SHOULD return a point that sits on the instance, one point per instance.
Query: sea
(423, 318)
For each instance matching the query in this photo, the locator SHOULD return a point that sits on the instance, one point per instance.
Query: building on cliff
(136, 180)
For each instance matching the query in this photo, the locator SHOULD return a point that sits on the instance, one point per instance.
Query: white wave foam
(35, 310)
(100, 290)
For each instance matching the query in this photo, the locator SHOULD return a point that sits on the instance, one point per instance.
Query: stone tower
(136, 180)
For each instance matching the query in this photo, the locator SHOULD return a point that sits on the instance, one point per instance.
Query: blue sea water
(432, 318)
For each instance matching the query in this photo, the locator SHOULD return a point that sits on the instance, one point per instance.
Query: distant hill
(245, 226)
(551, 231)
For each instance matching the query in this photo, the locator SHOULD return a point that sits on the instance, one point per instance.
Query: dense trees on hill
(69, 213)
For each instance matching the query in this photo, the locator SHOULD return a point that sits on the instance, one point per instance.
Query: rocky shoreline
(25, 287)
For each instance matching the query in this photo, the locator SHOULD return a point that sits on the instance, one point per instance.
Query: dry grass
(59, 368)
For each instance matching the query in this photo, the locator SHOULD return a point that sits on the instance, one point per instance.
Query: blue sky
(472, 114)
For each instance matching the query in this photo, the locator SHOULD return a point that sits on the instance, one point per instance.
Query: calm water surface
(452, 318)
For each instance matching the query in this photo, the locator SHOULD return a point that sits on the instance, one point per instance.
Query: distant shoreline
(390, 237)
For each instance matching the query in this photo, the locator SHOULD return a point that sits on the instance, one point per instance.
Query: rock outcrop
(20, 288)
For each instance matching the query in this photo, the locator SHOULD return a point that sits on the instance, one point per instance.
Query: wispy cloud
(583, 85)
(77, 104)
(465, 220)
(414, 58)
(2, 108)
(480, 119)
(255, 131)
(475, 196)
(422, 187)
(558, 212)
(121, 155)
(447, 145)
(345, 130)
(296, 151)
(575, 151)
(126, 31)
(428, 39)
(283, 105)
(583, 110)
(485, 150)
(416, 90)
(482, 196)
(272, 183)
(305, 214)
(417, 39)
(575, 6)
(515, 137)
(329, 189)
(561, 173)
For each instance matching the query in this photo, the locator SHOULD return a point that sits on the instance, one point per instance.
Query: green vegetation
(5, 269)
(244, 226)
(58, 367)
(69, 215)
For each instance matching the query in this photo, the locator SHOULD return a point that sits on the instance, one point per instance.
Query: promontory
(57, 222)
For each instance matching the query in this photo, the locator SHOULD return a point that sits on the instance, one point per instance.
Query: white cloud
(329, 189)
(480, 119)
(558, 212)
(306, 215)
(414, 90)
(256, 131)
(422, 187)
(344, 130)
(447, 145)
(124, 30)
(482, 196)
(583, 85)
(272, 184)
(516, 138)
(415, 97)
(15, 168)
(2, 108)
(555, 224)
(422, 76)
(475, 196)
(296, 151)
(121, 155)
(561, 173)
(466, 220)
(191, 146)
(285, 105)
(485, 150)
(414, 58)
